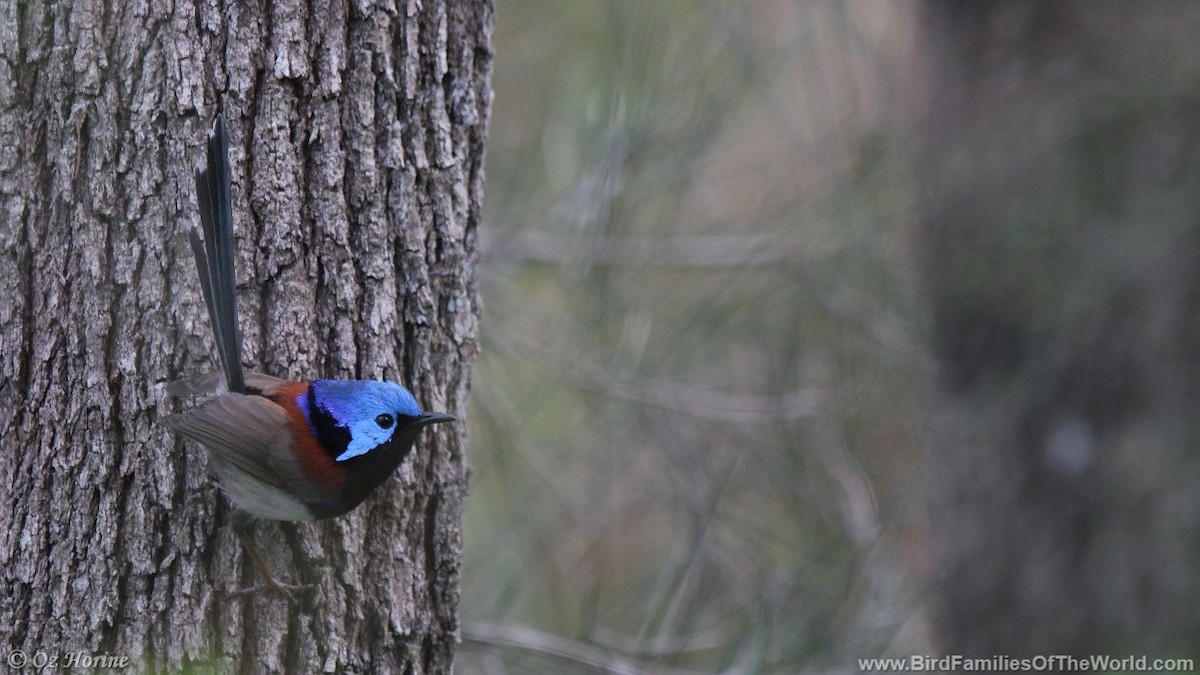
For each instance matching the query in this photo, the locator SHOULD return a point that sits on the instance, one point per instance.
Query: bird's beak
(434, 418)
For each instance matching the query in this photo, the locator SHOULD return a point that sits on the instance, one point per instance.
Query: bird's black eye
(385, 421)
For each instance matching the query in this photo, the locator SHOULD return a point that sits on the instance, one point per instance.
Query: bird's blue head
(355, 417)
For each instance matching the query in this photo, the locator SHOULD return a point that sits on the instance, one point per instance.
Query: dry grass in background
(697, 416)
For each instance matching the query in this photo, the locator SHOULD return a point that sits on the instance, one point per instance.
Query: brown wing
(251, 434)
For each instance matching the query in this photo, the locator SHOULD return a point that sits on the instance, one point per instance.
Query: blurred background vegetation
(824, 330)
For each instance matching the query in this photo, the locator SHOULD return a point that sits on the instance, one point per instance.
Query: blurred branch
(664, 617)
(696, 401)
(713, 404)
(535, 641)
(662, 645)
(877, 321)
(696, 251)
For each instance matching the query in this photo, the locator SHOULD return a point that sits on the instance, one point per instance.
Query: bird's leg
(242, 522)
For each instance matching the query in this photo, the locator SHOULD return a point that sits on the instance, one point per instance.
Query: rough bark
(1063, 233)
(357, 144)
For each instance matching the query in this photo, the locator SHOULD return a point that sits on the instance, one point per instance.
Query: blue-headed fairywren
(281, 450)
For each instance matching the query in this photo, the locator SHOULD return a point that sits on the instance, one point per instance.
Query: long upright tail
(214, 254)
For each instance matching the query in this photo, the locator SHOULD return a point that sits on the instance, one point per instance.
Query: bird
(281, 450)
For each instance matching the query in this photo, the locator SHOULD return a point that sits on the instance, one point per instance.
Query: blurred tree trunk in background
(1062, 230)
(357, 145)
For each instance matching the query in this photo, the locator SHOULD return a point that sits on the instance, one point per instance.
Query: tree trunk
(357, 137)
(1063, 235)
